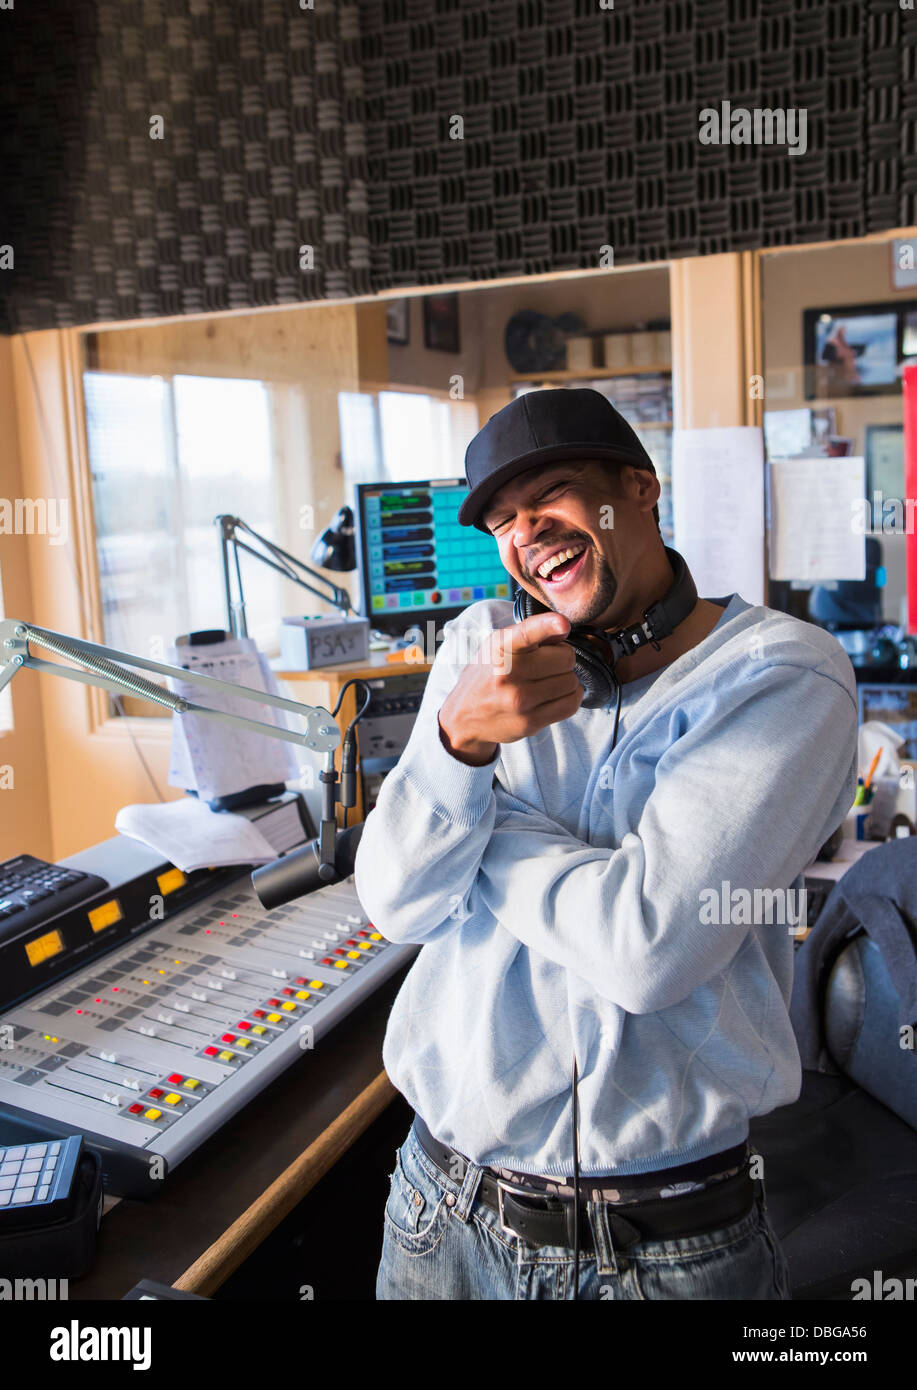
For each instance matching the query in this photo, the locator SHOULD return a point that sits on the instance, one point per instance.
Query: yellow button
(259, 1029)
(316, 984)
(170, 880)
(375, 936)
(273, 1018)
(288, 1007)
(243, 1042)
(226, 1056)
(365, 946)
(190, 1083)
(303, 994)
(152, 1114)
(342, 965)
(172, 1098)
(353, 955)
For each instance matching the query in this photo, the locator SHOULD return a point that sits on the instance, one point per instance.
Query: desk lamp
(330, 550)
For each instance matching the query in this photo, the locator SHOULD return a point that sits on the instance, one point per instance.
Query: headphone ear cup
(592, 671)
(524, 606)
(594, 675)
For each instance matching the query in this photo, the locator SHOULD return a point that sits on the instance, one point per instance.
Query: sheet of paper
(215, 759)
(181, 772)
(191, 836)
(718, 509)
(817, 523)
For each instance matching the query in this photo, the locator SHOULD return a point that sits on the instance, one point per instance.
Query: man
(567, 889)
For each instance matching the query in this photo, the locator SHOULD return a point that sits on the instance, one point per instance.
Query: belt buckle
(514, 1190)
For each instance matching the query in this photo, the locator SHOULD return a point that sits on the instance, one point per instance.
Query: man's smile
(561, 571)
(558, 558)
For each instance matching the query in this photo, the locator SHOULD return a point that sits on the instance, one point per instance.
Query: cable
(349, 747)
(614, 736)
(574, 1095)
(575, 1187)
(354, 680)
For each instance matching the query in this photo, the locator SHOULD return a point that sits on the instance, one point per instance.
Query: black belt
(548, 1219)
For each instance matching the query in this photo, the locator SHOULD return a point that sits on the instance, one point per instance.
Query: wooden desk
(232, 1192)
(322, 687)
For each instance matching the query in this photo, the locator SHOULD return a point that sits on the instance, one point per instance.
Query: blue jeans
(440, 1242)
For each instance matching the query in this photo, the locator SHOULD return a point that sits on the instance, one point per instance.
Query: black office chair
(840, 1164)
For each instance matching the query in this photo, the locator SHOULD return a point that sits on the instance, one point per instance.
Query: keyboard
(36, 1181)
(32, 890)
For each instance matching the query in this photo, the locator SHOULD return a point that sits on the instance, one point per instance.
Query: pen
(872, 767)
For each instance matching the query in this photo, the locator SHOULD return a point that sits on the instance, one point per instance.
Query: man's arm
(747, 797)
(423, 841)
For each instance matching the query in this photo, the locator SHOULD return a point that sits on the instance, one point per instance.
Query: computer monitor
(417, 564)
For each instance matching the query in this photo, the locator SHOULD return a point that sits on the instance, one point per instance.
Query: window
(167, 455)
(835, 339)
(397, 436)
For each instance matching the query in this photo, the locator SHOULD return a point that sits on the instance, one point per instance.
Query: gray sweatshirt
(625, 906)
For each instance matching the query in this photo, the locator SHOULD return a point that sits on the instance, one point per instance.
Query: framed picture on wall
(398, 322)
(441, 322)
(855, 350)
(884, 468)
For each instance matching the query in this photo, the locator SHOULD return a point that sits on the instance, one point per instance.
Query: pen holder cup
(855, 823)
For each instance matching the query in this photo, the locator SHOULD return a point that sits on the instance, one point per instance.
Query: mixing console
(149, 1050)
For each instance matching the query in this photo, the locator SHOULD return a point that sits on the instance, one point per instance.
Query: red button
(228, 1037)
(135, 1109)
(156, 1093)
(362, 933)
(287, 991)
(211, 1051)
(327, 960)
(176, 1079)
(258, 1013)
(300, 979)
(340, 951)
(350, 942)
(275, 1003)
(243, 1025)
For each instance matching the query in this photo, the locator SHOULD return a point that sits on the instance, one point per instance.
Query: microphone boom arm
(102, 669)
(321, 733)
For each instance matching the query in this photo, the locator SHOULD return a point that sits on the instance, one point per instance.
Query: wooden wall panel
(24, 805)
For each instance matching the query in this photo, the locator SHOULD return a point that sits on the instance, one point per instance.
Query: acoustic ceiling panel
(179, 156)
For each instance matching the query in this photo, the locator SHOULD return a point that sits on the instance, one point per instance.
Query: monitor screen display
(416, 560)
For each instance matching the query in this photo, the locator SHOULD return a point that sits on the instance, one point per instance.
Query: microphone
(349, 769)
(298, 872)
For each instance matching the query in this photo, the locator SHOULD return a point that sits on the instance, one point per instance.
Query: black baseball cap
(544, 427)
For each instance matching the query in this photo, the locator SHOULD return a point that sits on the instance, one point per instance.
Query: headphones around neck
(598, 650)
